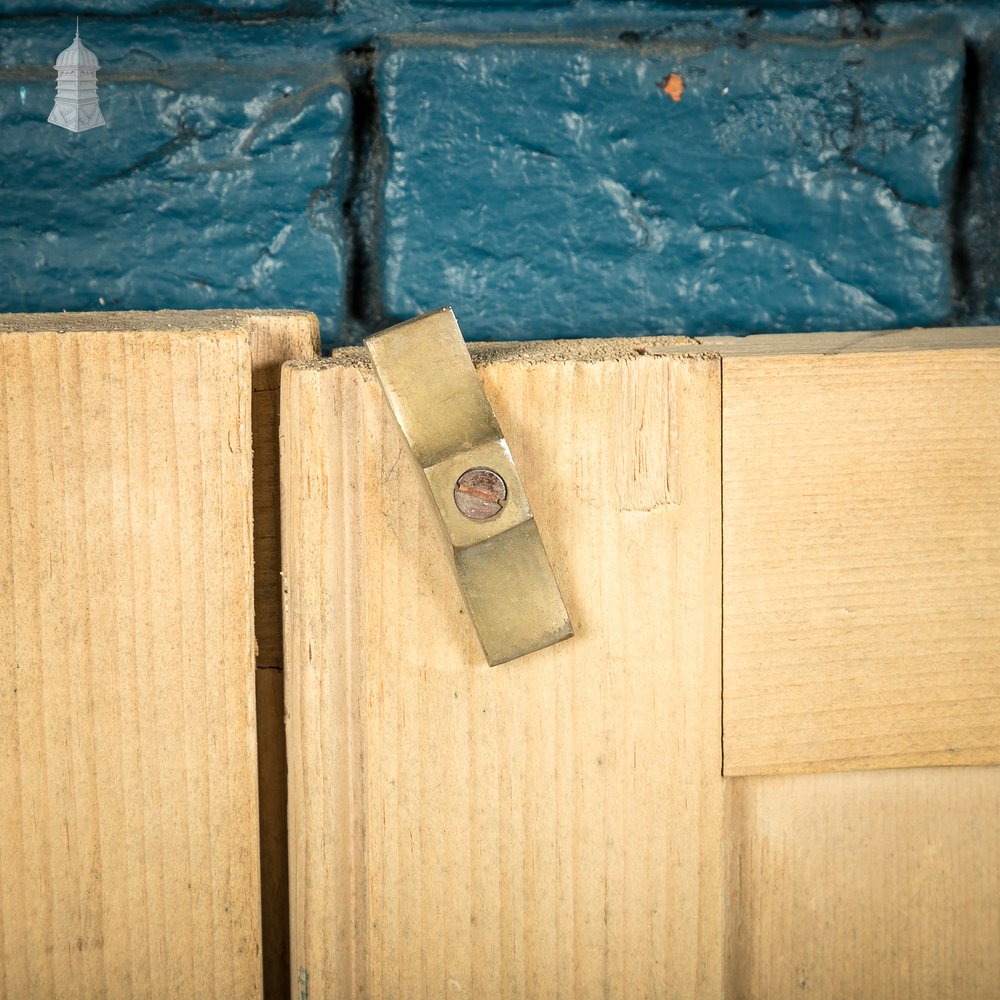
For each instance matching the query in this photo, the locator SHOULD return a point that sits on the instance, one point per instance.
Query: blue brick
(236, 8)
(553, 189)
(490, 4)
(215, 183)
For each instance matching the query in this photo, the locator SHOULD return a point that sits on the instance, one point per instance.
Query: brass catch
(439, 403)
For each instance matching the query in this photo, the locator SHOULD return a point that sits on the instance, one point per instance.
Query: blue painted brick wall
(215, 184)
(556, 189)
(828, 165)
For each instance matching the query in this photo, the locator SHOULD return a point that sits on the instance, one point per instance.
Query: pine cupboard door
(129, 846)
(779, 559)
(861, 651)
(552, 827)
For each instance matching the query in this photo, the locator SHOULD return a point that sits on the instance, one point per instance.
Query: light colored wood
(128, 805)
(873, 884)
(274, 337)
(864, 342)
(548, 828)
(127, 797)
(862, 560)
(861, 586)
(270, 338)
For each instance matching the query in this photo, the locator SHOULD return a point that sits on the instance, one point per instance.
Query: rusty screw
(480, 494)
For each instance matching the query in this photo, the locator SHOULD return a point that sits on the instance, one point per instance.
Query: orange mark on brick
(672, 86)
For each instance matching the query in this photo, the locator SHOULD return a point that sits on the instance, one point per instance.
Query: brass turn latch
(437, 399)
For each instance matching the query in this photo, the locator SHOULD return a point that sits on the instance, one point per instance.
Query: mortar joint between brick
(364, 305)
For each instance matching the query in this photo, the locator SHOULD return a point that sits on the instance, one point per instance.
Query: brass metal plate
(438, 400)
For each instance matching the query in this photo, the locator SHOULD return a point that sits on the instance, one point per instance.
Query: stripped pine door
(128, 792)
(861, 633)
(562, 826)
(544, 829)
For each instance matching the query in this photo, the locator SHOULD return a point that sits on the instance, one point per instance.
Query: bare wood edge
(861, 342)
(524, 352)
(976, 757)
(180, 321)
(276, 334)
(755, 345)
(275, 337)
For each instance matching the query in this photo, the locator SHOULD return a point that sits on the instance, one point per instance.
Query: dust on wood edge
(177, 321)
(528, 352)
(833, 344)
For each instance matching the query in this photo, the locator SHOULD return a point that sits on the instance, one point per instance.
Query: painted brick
(215, 184)
(236, 8)
(487, 4)
(553, 189)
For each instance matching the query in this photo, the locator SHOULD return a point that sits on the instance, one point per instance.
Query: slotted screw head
(480, 494)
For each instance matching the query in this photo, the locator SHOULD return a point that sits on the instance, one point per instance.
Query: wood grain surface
(551, 828)
(871, 884)
(274, 339)
(862, 559)
(129, 813)
(128, 795)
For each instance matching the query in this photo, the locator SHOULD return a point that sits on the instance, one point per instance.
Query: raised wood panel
(862, 557)
(869, 884)
(549, 828)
